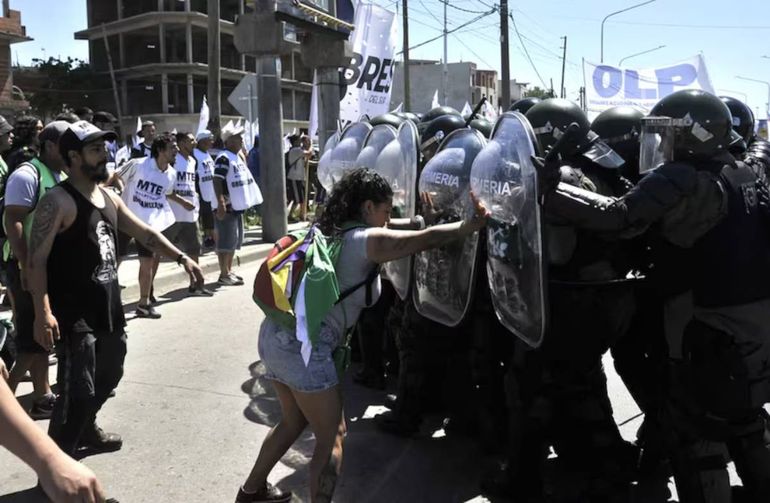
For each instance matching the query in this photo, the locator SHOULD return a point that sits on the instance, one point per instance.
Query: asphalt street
(193, 410)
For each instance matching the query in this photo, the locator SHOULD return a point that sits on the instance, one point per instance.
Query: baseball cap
(5, 126)
(228, 132)
(204, 135)
(81, 133)
(53, 131)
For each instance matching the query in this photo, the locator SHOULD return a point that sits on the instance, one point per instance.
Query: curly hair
(344, 205)
(25, 131)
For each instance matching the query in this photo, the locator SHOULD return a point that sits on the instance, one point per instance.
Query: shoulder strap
(368, 282)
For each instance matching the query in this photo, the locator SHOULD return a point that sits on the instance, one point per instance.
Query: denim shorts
(279, 350)
(229, 232)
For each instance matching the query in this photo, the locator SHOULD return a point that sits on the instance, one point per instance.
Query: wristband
(181, 258)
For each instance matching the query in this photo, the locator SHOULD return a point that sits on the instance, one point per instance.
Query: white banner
(370, 74)
(610, 86)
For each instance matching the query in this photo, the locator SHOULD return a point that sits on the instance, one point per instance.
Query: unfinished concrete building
(159, 52)
(11, 32)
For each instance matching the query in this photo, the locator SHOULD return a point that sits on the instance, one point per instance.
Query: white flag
(203, 121)
(313, 129)
(174, 132)
(136, 139)
(489, 112)
(467, 110)
(435, 103)
(398, 108)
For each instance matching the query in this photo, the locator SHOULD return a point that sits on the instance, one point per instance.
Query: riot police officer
(560, 397)
(709, 217)
(523, 105)
(619, 127)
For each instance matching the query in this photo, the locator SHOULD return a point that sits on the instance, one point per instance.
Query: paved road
(192, 431)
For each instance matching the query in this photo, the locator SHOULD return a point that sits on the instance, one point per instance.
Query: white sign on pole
(610, 86)
(370, 76)
(244, 97)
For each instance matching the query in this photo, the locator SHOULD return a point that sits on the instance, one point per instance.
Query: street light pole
(620, 63)
(614, 14)
(767, 109)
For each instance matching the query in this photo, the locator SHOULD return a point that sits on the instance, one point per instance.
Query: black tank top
(83, 271)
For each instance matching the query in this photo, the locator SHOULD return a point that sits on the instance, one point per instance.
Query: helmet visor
(602, 154)
(656, 143)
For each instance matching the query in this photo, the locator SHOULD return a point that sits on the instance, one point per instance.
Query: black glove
(548, 175)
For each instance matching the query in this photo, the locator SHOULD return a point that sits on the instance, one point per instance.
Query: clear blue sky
(732, 44)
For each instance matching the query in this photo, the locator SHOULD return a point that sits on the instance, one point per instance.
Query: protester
(85, 114)
(208, 198)
(149, 185)
(310, 394)
(184, 231)
(6, 143)
(68, 117)
(74, 280)
(144, 149)
(298, 157)
(25, 142)
(63, 479)
(236, 192)
(252, 160)
(25, 187)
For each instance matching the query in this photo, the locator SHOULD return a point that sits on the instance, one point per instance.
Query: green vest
(47, 180)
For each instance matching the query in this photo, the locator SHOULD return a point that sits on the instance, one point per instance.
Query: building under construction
(11, 32)
(159, 51)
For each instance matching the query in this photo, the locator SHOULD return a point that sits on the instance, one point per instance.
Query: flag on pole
(435, 103)
(398, 109)
(489, 112)
(136, 140)
(467, 110)
(203, 121)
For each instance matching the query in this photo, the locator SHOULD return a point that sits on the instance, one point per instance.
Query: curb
(174, 278)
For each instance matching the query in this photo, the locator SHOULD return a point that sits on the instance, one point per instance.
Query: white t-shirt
(296, 166)
(146, 190)
(184, 187)
(206, 177)
(242, 191)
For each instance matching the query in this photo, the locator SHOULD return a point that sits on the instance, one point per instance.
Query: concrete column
(189, 41)
(164, 92)
(124, 97)
(190, 95)
(187, 5)
(328, 102)
(241, 10)
(160, 5)
(162, 42)
(121, 51)
(273, 175)
(120, 9)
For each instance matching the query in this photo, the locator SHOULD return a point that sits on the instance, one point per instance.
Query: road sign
(244, 97)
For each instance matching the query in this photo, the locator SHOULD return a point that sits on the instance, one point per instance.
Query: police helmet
(550, 119)
(483, 126)
(743, 117)
(438, 112)
(523, 105)
(390, 119)
(437, 130)
(620, 128)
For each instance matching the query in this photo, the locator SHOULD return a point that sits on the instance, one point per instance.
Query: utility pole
(114, 82)
(505, 92)
(563, 66)
(445, 79)
(215, 63)
(407, 91)
(553, 94)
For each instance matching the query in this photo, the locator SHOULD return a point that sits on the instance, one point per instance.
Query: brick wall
(12, 24)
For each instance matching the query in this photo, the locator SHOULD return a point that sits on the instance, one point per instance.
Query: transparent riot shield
(505, 180)
(397, 163)
(377, 139)
(342, 158)
(444, 278)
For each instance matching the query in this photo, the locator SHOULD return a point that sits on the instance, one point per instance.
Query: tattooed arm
(384, 245)
(53, 211)
(152, 239)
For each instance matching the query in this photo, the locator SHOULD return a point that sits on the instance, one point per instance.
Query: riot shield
(377, 139)
(342, 158)
(398, 165)
(444, 278)
(505, 180)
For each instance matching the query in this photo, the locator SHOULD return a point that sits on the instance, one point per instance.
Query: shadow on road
(32, 495)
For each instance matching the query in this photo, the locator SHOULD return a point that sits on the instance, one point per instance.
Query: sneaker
(268, 494)
(237, 278)
(43, 407)
(229, 280)
(97, 440)
(199, 291)
(147, 312)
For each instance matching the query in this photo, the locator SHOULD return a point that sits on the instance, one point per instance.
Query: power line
(472, 51)
(480, 16)
(469, 11)
(526, 52)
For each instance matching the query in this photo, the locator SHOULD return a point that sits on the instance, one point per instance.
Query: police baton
(475, 111)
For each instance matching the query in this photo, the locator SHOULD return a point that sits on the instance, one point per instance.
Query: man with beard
(149, 185)
(73, 251)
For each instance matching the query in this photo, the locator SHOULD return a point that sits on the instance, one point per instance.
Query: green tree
(64, 84)
(537, 92)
